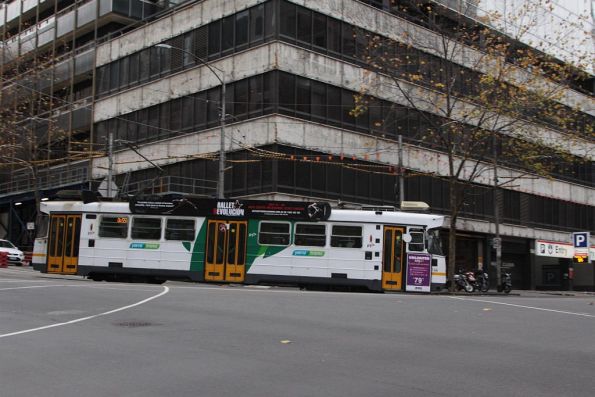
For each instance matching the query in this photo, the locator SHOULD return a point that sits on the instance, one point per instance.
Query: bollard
(3, 259)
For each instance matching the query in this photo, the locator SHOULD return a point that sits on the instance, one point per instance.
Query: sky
(563, 28)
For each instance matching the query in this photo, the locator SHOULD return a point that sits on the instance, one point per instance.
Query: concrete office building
(291, 69)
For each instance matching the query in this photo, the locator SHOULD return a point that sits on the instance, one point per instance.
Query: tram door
(392, 258)
(226, 251)
(63, 244)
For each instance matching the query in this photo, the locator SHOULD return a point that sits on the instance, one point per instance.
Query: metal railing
(23, 181)
(172, 184)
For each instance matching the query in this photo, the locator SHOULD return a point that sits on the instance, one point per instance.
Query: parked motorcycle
(462, 282)
(482, 282)
(506, 282)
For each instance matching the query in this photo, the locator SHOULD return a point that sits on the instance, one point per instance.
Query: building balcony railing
(53, 178)
(63, 24)
(172, 184)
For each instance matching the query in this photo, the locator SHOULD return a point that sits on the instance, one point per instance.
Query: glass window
(273, 233)
(164, 125)
(187, 113)
(334, 35)
(180, 229)
(319, 32)
(242, 25)
(310, 235)
(348, 40)
(146, 228)
(333, 104)
(188, 47)
(303, 95)
(241, 98)
(155, 60)
(346, 236)
(113, 226)
(286, 91)
(318, 100)
(115, 75)
(255, 87)
(434, 242)
(213, 99)
(304, 25)
(201, 42)
(270, 20)
(134, 68)
(288, 19)
(144, 61)
(200, 110)
(103, 79)
(214, 38)
(417, 240)
(256, 23)
(124, 72)
(176, 115)
(227, 34)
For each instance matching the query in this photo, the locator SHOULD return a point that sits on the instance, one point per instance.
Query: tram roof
(391, 217)
(337, 215)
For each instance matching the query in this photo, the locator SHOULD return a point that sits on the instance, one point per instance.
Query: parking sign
(581, 240)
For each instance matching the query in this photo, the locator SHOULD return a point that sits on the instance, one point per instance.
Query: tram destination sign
(261, 209)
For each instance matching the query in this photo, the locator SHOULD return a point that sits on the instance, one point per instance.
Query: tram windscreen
(434, 242)
(43, 226)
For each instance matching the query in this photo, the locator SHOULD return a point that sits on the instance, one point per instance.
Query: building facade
(292, 71)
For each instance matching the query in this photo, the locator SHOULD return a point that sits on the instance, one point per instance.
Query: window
(146, 228)
(319, 33)
(113, 226)
(417, 240)
(227, 34)
(304, 25)
(273, 233)
(180, 229)
(288, 19)
(242, 27)
(214, 38)
(144, 62)
(256, 23)
(310, 235)
(346, 236)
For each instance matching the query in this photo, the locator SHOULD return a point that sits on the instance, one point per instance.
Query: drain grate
(133, 324)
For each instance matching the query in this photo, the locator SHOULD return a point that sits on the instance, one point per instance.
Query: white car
(15, 255)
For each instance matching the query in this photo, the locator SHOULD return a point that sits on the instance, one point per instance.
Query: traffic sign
(580, 239)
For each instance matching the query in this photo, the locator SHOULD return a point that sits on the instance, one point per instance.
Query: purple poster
(419, 272)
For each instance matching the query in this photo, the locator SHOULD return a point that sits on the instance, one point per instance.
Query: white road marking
(524, 306)
(78, 320)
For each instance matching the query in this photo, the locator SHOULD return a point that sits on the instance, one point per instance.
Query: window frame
(270, 233)
(361, 235)
(166, 228)
(114, 216)
(132, 227)
(296, 234)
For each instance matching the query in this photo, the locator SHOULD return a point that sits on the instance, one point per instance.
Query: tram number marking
(122, 220)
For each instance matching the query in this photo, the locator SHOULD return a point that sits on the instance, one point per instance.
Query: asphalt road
(65, 336)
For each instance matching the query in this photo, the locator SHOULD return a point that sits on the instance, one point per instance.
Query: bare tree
(483, 99)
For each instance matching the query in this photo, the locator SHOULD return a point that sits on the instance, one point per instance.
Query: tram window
(180, 229)
(43, 226)
(273, 233)
(346, 236)
(146, 228)
(310, 235)
(417, 240)
(113, 226)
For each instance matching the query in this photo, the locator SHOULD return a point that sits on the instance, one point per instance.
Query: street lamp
(221, 178)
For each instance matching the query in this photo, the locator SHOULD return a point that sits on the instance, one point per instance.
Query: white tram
(242, 241)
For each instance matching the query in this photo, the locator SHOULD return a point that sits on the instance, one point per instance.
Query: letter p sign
(580, 239)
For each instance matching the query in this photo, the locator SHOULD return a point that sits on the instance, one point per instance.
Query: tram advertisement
(419, 272)
(192, 206)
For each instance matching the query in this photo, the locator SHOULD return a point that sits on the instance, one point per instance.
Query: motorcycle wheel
(469, 288)
(507, 289)
(484, 287)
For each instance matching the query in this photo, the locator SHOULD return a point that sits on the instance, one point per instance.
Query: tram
(159, 238)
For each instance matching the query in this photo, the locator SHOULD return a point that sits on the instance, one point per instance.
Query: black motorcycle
(506, 282)
(482, 282)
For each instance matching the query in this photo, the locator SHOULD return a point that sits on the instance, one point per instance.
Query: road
(66, 336)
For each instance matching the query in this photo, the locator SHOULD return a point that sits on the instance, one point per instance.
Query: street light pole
(221, 173)
(497, 241)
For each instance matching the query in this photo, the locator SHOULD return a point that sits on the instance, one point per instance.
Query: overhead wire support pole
(221, 173)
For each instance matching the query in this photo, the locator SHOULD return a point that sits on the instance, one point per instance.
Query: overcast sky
(566, 32)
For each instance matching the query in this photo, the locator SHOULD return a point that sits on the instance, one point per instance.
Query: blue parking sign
(580, 239)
